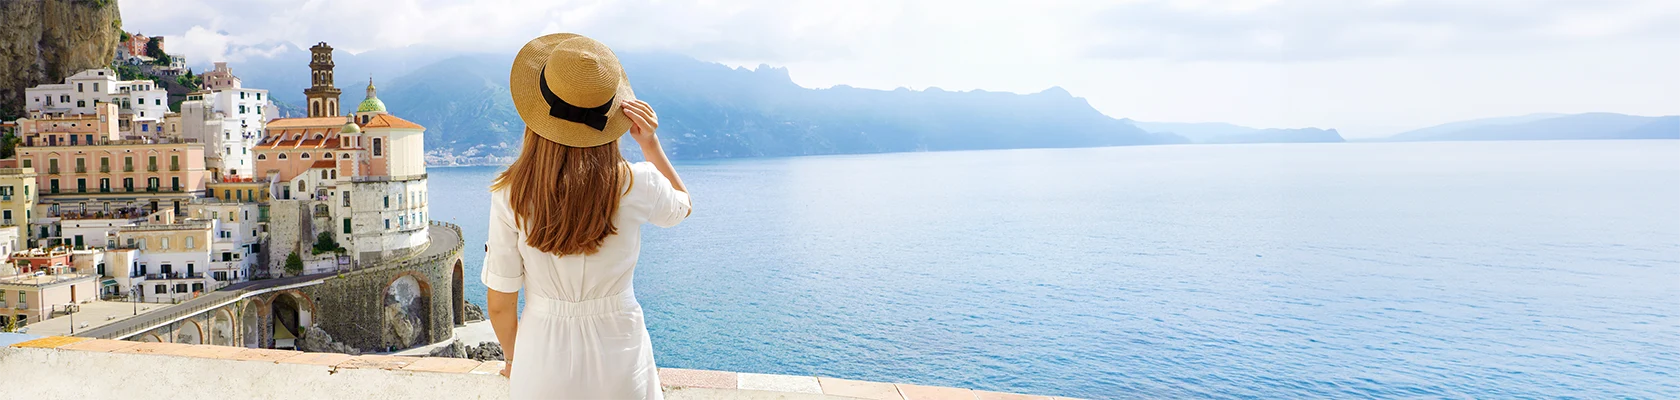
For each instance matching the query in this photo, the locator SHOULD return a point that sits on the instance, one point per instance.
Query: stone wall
(287, 222)
(354, 306)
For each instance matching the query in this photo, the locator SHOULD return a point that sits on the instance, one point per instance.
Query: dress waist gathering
(552, 307)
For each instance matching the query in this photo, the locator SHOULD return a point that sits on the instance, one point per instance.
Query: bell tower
(323, 97)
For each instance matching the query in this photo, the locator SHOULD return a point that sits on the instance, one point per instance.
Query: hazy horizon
(1367, 69)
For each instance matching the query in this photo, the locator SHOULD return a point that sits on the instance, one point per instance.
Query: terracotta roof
(389, 121)
(317, 122)
(324, 164)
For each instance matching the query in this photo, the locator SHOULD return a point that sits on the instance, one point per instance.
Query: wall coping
(672, 379)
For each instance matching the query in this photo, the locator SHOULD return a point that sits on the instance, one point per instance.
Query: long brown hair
(564, 197)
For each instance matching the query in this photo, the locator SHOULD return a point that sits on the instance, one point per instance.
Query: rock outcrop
(485, 351)
(474, 313)
(44, 41)
(318, 341)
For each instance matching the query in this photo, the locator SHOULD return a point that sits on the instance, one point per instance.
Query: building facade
(83, 92)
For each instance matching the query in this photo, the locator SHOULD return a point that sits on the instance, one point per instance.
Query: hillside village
(142, 182)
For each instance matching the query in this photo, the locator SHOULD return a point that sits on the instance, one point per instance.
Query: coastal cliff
(44, 41)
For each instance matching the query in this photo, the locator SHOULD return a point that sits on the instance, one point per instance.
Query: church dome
(372, 104)
(350, 128)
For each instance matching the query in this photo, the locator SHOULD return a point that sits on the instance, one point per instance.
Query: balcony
(128, 168)
(103, 170)
(52, 171)
(175, 275)
(81, 170)
(151, 168)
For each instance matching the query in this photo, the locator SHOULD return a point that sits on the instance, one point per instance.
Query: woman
(565, 227)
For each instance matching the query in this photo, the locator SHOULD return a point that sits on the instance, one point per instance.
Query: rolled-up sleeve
(670, 206)
(504, 269)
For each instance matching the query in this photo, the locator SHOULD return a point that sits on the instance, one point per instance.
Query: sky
(1365, 67)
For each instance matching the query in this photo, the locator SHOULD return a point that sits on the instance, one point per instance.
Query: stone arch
(251, 323)
(191, 332)
(290, 312)
(148, 337)
(407, 308)
(457, 292)
(221, 331)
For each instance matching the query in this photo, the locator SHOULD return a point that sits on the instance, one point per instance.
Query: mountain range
(1587, 126)
(709, 110)
(1220, 132)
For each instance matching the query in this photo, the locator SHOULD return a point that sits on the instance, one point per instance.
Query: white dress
(581, 334)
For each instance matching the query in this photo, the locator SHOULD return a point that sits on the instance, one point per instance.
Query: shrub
(294, 264)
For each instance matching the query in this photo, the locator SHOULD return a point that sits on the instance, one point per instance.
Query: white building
(173, 256)
(236, 239)
(80, 93)
(93, 232)
(228, 118)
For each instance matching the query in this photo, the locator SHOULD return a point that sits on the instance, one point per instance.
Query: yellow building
(17, 202)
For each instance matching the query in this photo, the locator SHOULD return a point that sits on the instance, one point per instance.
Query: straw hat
(568, 88)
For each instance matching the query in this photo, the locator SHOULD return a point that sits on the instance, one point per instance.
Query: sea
(1540, 269)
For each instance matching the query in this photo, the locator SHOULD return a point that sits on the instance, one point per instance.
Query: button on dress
(581, 333)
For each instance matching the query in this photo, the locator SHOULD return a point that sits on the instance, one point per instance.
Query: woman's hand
(643, 122)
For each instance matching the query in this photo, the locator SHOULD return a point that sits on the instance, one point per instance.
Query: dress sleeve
(670, 206)
(504, 269)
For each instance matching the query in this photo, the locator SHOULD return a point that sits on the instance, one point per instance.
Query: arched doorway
(457, 292)
(289, 317)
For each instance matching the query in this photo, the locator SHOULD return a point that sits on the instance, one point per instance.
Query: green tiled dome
(372, 104)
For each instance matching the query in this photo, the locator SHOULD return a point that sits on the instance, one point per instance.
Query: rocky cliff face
(44, 41)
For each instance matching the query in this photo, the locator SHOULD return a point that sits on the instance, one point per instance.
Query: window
(189, 247)
(81, 103)
(174, 163)
(387, 201)
(262, 156)
(160, 289)
(28, 164)
(304, 156)
(282, 156)
(164, 244)
(346, 198)
(378, 147)
(387, 223)
(346, 225)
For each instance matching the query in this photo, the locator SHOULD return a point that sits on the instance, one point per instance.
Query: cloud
(1336, 29)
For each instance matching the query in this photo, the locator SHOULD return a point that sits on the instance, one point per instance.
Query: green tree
(154, 49)
(11, 325)
(294, 264)
(324, 243)
(8, 145)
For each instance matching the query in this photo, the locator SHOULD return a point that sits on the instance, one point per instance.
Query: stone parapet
(72, 367)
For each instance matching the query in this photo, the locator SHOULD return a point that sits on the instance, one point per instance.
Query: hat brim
(525, 81)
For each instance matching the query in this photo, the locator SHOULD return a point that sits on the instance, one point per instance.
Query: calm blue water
(1493, 269)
